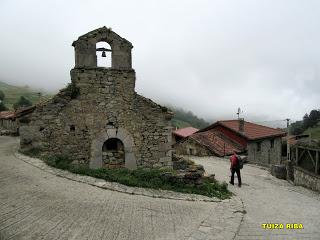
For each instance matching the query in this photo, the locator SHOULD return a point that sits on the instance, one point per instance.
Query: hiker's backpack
(240, 162)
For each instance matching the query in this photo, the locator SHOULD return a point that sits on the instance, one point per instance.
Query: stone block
(279, 171)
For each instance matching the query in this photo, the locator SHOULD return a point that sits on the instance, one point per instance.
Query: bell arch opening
(113, 155)
(103, 53)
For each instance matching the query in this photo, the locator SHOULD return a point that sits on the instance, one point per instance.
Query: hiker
(235, 168)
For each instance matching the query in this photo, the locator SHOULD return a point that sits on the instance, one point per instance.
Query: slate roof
(185, 132)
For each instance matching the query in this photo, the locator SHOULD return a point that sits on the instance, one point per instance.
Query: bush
(2, 106)
(59, 161)
(21, 103)
(146, 178)
(72, 90)
(32, 152)
(2, 96)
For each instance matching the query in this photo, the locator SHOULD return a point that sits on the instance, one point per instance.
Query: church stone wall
(101, 103)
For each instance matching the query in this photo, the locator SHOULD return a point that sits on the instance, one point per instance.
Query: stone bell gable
(99, 120)
(85, 49)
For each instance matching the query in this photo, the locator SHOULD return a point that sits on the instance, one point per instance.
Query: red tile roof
(185, 132)
(7, 114)
(251, 131)
(216, 142)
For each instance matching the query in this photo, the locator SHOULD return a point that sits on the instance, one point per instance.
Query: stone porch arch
(119, 133)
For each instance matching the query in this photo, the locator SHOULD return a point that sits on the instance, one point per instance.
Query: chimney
(241, 125)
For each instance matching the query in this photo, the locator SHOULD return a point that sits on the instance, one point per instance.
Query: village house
(182, 133)
(261, 144)
(10, 120)
(99, 120)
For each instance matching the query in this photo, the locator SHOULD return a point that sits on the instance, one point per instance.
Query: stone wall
(191, 147)
(267, 154)
(9, 125)
(306, 179)
(100, 104)
(85, 49)
(106, 106)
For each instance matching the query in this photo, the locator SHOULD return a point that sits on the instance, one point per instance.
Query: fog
(210, 57)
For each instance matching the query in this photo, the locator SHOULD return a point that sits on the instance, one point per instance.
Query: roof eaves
(266, 137)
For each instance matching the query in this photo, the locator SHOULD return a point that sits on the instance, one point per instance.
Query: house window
(72, 128)
(258, 146)
(272, 143)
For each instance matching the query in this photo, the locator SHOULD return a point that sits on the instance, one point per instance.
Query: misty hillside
(12, 93)
(184, 118)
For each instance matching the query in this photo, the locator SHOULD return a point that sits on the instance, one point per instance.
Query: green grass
(314, 132)
(146, 178)
(13, 93)
(179, 123)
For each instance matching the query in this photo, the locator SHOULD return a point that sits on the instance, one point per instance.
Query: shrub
(147, 178)
(59, 161)
(32, 152)
(72, 90)
(21, 103)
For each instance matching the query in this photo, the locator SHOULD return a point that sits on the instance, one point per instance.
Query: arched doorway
(100, 140)
(113, 155)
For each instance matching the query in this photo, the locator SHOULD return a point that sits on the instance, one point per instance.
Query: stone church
(98, 119)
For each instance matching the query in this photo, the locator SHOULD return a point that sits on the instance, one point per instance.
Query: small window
(258, 146)
(110, 125)
(272, 143)
(72, 128)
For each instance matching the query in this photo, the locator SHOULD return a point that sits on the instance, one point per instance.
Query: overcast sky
(210, 57)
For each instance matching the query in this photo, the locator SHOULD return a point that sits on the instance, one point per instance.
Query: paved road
(270, 200)
(35, 204)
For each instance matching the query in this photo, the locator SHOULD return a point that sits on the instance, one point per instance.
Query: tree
(306, 121)
(2, 106)
(21, 103)
(314, 117)
(296, 128)
(2, 96)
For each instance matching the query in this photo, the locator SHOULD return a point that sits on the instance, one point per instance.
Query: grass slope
(314, 132)
(184, 118)
(13, 93)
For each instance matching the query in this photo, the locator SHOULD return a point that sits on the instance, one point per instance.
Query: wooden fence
(307, 158)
